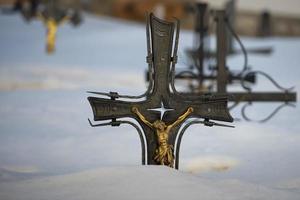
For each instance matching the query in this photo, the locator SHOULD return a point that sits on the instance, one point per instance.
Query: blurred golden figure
(164, 153)
(51, 24)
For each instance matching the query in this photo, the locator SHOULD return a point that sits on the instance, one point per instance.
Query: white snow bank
(210, 163)
(143, 182)
(53, 78)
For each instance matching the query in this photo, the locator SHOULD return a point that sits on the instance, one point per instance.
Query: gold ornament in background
(51, 24)
(164, 153)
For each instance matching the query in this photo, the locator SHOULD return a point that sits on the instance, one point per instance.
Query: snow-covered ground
(151, 182)
(46, 143)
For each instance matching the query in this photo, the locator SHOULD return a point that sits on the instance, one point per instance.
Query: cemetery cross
(163, 110)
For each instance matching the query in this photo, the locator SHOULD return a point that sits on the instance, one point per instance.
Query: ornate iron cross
(226, 35)
(223, 76)
(163, 110)
(52, 16)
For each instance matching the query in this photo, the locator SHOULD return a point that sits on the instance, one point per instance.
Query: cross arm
(207, 106)
(214, 109)
(105, 109)
(263, 96)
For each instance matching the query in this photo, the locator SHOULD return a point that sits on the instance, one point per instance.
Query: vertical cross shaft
(222, 75)
(230, 13)
(201, 31)
(162, 44)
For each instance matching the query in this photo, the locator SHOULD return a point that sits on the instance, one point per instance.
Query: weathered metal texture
(232, 78)
(260, 96)
(162, 57)
(221, 52)
(263, 96)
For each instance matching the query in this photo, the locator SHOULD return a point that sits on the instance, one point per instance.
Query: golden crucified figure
(164, 153)
(51, 24)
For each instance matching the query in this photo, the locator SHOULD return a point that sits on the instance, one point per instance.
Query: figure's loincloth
(164, 155)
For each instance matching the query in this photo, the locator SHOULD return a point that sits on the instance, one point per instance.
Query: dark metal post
(230, 14)
(222, 73)
(201, 28)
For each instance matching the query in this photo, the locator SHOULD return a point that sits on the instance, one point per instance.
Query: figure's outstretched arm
(182, 117)
(137, 112)
(63, 20)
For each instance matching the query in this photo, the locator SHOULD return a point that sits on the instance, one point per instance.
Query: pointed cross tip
(224, 125)
(90, 122)
(97, 93)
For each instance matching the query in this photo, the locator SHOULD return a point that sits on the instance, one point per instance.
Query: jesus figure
(164, 153)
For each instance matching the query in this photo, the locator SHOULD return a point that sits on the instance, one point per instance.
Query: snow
(48, 150)
(144, 182)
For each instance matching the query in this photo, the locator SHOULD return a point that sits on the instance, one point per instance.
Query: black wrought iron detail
(268, 117)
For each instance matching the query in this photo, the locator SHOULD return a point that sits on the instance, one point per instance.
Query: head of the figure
(160, 125)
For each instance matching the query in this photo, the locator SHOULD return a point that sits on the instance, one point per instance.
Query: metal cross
(201, 52)
(162, 57)
(223, 76)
